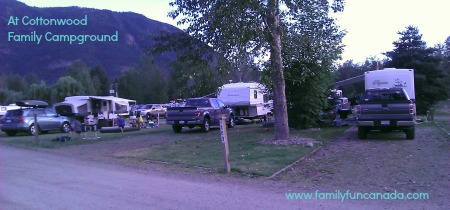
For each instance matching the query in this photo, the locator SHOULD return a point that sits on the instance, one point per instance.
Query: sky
(371, 25)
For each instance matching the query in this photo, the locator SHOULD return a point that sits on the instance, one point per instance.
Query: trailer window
(255, 94)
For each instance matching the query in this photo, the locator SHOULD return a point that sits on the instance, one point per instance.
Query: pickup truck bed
(386, 110)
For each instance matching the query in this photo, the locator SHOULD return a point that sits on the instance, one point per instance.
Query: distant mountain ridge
(113, 40)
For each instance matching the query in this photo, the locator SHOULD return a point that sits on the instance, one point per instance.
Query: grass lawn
(442, 114)
(195, 148)
(246, 154)
(45, 140)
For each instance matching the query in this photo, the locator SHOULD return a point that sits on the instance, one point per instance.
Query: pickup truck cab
(386, 109)
(201, 112)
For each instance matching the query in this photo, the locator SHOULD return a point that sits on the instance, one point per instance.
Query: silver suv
(22, 120)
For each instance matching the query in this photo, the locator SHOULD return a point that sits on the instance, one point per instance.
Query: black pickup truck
(202, 112)
(386, 110)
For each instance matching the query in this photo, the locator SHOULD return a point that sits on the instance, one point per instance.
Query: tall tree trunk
(279, 101)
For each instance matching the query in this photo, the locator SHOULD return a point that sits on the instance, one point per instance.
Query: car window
(215, 104)
(14, 113)
(49, 113)
(38, 112)
(30, 113)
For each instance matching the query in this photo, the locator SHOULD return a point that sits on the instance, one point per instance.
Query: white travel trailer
(98, 106)
(391, 77)
(249, 100)
(4, 109)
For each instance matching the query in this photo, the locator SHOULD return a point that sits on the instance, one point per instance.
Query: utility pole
(113, 89)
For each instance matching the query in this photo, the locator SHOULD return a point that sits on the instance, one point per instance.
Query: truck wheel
(410, 133)
(362, 132)
(177, 128)
(206, 125)
(231, 122)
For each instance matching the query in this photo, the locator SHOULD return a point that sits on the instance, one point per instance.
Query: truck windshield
(385, 95)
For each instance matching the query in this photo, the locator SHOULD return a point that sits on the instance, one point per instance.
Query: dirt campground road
(394, 166)
(91, 176)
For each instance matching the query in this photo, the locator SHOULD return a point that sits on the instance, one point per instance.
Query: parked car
(152, 110)
(22, 120)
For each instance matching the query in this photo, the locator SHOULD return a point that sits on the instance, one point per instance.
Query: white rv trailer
(98, 106)
(4, 109)
(391, 77)
(249, 100)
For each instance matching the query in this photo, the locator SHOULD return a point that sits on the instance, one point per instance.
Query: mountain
(126, 36)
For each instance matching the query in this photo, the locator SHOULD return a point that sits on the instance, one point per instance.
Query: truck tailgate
(181, 113)
(393, 108)
(398, 111)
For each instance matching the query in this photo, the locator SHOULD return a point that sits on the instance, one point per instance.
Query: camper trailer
(390, 78)
(98, 106)
(249, 100)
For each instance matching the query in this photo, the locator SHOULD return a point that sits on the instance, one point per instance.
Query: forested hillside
(21, 53)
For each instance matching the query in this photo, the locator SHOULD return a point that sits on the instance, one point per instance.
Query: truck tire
(410, 133)
(206, 125)
(231, 122)
(177, 128)
(362, 132)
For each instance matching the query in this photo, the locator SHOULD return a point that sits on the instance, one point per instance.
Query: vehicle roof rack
(32, 103)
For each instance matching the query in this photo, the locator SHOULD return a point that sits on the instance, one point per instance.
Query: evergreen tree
(411, 52)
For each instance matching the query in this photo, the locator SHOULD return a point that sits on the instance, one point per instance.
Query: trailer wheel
(362, 132)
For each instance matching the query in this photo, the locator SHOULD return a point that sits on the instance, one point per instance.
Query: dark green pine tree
(411, 52)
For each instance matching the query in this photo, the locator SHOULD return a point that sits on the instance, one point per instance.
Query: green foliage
(66, 86)
(349, 69)
(145, 83)
(429, 77)
(310, 48)
(100, 80)
(197, 71)
(81, 73)
(15, 82)
(10, 96)
(39, 92)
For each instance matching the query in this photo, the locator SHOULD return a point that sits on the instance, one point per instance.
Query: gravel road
(92, 177)
(37, 180)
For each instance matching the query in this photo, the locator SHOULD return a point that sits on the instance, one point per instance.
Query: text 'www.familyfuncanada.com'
(348, 195)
